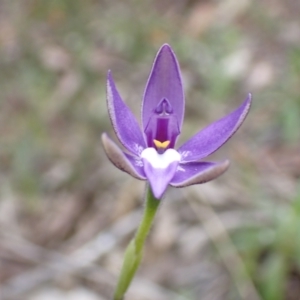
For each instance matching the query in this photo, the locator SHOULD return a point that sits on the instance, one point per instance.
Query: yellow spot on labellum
(161, 145)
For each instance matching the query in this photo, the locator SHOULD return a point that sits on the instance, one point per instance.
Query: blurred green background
(66, 214)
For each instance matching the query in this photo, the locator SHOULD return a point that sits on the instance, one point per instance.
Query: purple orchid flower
(150, 153)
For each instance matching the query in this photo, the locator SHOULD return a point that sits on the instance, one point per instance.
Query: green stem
(134, 251)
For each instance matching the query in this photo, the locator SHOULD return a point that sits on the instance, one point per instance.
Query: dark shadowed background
(67, 214)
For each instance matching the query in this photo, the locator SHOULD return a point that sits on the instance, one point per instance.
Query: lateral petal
(198, 172)
(164, 82)
(124, 123)
(215, 135)
(123, 161)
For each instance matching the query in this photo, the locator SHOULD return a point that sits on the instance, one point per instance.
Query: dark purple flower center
(162, 129)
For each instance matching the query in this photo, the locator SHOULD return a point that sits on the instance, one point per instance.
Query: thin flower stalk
(134, 251)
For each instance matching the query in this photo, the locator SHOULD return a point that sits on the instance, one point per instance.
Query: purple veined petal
(123, 161)
(215, 135)
(164, 82)
(124, 123)
(198, 172)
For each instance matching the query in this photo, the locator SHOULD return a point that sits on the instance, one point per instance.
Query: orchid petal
(198, 172)
(164, 82)
(124, 123)
(160, 168)
(123, 161)
(215, 135)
